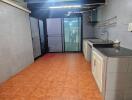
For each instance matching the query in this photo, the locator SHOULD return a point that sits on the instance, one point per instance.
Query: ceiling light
(65, 6)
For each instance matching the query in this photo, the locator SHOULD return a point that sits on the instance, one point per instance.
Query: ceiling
(38, 1)
(40, 8)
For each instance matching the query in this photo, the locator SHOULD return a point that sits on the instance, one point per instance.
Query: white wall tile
(121, 9)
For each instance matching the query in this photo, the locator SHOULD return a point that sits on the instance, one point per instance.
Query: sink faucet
(106, 33)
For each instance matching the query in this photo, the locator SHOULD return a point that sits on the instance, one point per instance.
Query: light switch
(130, 27)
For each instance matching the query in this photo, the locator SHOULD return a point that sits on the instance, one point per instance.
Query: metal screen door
(54, 32)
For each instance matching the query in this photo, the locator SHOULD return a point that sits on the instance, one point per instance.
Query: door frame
(42, 52)
(80, 35)
(62, 35)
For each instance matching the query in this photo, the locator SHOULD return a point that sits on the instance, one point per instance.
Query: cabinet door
(93, 64)
(89, 52)
(97, 69)
(85, 49)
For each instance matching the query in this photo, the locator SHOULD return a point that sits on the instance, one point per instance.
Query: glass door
(72, 34)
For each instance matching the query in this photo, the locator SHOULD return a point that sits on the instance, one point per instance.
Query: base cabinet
(97, 69)
(113, 76)
(87, 50)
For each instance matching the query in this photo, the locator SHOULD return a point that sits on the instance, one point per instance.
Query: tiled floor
(53, 77)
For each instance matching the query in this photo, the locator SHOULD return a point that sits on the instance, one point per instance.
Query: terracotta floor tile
(8, 91)
(70, 92)
(24, 91)
(60, 79)
(39, 92)
(43, 98)
(57, 84)
(63, 76)
(45, 84)
(19, 98)
(55, 92)
(6, 98)
(71, 84)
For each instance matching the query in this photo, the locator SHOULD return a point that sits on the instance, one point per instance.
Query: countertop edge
(112, 56)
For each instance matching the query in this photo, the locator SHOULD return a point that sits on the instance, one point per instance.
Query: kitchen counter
(88, 44)
(96, 42)
(115, 52)
(112, 71)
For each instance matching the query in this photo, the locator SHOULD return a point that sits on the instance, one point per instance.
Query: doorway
(64, 34)
(72, 34)
(38, 37)
(35, 37)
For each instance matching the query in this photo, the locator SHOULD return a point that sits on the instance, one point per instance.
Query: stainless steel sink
(100, 41)
(96, 40)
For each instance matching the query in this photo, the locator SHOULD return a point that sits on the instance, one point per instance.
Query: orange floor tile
(64, 76)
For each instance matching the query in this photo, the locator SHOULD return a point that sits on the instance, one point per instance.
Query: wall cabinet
(94, 15)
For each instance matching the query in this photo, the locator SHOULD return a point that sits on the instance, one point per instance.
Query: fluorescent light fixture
(60, 0)
(65, 6)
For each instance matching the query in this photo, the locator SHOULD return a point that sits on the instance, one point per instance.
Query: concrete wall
(88, 29)
(15, 41)
(121, 9)
(20, 2)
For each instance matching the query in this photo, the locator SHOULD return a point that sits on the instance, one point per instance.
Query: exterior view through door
(64, 34)
(72, 34)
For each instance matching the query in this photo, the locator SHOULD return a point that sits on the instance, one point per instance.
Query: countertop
(115, 52)
(107, 49)
(96, 42)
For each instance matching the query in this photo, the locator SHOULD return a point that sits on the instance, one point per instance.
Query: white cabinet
(113, 75)
(87, 50)
(97, 69)
(84, 48)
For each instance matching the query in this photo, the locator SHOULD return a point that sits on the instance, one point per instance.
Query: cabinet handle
(94, 62)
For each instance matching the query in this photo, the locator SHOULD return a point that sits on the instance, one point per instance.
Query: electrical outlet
(130, 27)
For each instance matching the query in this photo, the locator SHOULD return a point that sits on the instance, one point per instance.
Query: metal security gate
(54, 32)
